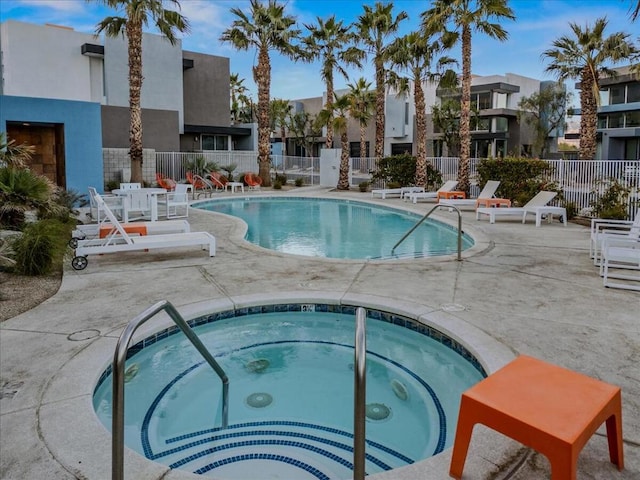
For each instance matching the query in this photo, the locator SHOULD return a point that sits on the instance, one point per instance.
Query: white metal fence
(578, 179)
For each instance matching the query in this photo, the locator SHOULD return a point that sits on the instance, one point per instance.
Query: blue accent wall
(82, 134)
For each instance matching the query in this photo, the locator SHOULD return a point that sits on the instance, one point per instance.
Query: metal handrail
(119, 357)
(360, 389)
(425, 217)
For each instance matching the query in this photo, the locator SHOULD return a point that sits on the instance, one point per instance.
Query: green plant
(277, 185)
(12, 155)
(299, 182)
(402, 169)
(40, 247)
(364, 186)
(22, 190)
(611, 199)
(281, 178)
(229, 169)
(520, 178)
(201, 166)
(572, 209)
(111, 185)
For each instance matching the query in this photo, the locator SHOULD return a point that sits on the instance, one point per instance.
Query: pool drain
(377, 411)
(259, 400)
(257, 366)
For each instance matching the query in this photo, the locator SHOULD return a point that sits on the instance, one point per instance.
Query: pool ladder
(419, 222)
(119, 358)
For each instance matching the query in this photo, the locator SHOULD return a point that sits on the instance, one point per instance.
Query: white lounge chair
(448, 186)
(94, 230)
(620, 254)
(115, 203)
(395, 192)
(120, 241)
(488, 191)
(602, 228)
(537, 205)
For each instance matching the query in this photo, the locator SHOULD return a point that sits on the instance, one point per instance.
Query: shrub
(520, 178)
(277, 185)
(363, 186)
(40, 247)
(401, 169)
(22, 190)
(281, 178)
(201, 166)
(611, 199)
(299, 182)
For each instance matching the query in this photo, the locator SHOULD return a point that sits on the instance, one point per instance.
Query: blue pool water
(336, 228)
(290, 370)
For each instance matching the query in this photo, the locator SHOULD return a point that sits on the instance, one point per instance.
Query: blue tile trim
(265, 456)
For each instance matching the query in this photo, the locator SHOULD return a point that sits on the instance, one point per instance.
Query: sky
(538, 23)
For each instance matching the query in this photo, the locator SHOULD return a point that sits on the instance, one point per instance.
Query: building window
(354, 150)
(501, 100)
(401, 148)
(438, 147)
(481, 125)
(406, 113)
(501, 124)
(602, 121)
(616, 120)
(484, 101)
(215, 142)
(616, 94)
(633, 92)
(501, 148)
(632, 119)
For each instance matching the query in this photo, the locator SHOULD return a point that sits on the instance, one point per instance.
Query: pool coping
(89, 439)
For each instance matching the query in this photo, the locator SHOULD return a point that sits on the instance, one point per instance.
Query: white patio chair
(537, 205)
(177, 202)
(620, 254)
(137, 205)
(114, 202)
(488, 191)
(604, 227)
(130, 186)
(119, 240)
(395, 192)
(448, 186)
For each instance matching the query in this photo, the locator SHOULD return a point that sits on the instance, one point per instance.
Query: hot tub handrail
(119, 357)
(427, 216)
(360, 390)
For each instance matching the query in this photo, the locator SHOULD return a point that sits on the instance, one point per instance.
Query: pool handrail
(449, 206)
(359, 394)
(119, 358)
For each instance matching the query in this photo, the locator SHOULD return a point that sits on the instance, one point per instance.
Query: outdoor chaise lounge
(395, 192)
(448, 186)
(120, 241)
(488, 191)
(537, 206)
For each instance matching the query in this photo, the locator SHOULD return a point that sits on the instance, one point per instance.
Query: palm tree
(339, 118)
(363, 101)
(635, 11)
(416, 53)
(586, 56)
(267, 28)
(238, 96)
(374, 26)
(330, 42)
(280, 111)
(465, 16)
(135, 15)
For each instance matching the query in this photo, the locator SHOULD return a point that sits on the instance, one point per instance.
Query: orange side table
(451, 194)
(493, 202)
(545, 407)
(128, 227)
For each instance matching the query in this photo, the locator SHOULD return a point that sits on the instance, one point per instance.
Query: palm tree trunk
(329, 107)
(363, 143)
(465, 112)
(421, 126)
(343, 181)
(134, 35)
(589, 118)
(380, 90)
(283, 137)
(262, 77)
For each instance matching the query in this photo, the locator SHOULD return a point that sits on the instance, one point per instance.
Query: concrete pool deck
(521, 290)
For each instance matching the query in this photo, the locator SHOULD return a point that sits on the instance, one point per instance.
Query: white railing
(579, 179)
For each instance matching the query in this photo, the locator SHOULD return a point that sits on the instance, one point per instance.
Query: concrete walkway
(522, 289)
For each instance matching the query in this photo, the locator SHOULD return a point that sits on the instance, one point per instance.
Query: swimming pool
(334, 228)
(291, 393)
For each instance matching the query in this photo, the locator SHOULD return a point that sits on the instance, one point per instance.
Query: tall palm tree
(363, 101)
(465, 16)
(135, 15)
(635, 11)
(416, 53)
(374, 26)
(280, 110)
(339, 117)
(330, 42)
(586, 56)
(266, 28)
